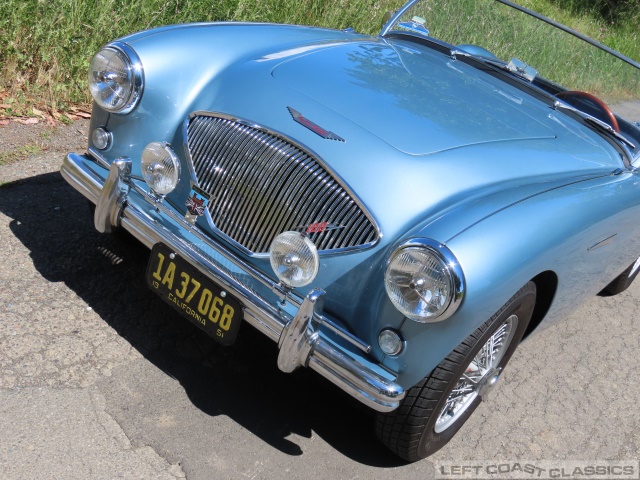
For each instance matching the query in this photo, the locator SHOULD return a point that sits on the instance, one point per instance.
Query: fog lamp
(160, 167)
(390, 342)
(294, 259)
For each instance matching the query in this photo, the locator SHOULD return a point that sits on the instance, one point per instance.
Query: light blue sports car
(397, 212)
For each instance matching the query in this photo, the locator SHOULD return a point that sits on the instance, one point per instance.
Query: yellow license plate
(193, 294)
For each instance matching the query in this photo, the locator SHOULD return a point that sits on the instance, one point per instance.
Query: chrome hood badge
(318, 130)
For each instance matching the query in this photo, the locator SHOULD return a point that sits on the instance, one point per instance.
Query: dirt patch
(27, 150)
(629, 110)
(61, 137)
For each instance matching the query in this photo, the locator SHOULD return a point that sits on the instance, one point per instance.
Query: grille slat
(342, 209)
(227, 201)
(253, 178)
(277, 223)
(264, 215)
(318, 191)
(217, 158)
(289, 218)
(261, 184)
(206, 156)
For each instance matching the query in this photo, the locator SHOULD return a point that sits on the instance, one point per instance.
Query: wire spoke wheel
(479, 377)
(438, 405)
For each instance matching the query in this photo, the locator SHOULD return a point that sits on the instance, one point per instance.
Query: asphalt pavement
(100, 379)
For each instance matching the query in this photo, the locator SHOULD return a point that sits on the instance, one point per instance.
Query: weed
(19, 153)
(66, 120)
(46, 134)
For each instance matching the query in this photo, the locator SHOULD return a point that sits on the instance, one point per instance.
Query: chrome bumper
(295, 324)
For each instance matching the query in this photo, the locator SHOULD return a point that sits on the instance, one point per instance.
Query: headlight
(424, 281)
(294, 259)
(116, 78)
(160, 167)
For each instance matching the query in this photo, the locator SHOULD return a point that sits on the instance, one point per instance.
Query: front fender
(183, 72)
(555, 231)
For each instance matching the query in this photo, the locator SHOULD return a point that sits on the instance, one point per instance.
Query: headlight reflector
(424, 281)
(115, 78)
(294, 259)
(160, 167)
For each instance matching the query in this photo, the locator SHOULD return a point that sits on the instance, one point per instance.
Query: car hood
(425, 136)
(415, 100)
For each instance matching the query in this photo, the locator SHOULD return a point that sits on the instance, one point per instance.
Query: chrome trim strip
(602, 243)
(354, 373)
(101, 160)
(252, 215)
(355, 341)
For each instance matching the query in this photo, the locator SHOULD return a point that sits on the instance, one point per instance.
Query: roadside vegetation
(19, 153)
(46, 46)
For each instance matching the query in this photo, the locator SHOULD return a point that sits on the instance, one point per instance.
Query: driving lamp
(160, 168)
(294, 259)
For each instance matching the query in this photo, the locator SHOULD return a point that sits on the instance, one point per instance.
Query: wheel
(622, 281)
(435, 409)
(592, 105)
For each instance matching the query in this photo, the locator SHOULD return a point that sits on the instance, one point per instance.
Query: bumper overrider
(304, 335)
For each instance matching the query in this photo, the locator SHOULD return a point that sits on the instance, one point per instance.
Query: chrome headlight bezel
(133, 86)
(450, 268)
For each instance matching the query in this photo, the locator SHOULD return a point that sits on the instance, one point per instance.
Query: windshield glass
(532, 49)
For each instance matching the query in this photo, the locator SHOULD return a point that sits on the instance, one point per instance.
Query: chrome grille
(261, 184)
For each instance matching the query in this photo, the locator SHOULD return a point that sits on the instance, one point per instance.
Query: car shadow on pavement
(242, 382)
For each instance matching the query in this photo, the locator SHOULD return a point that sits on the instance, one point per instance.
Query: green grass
(46, 46)
(618, 29)
(557, 56)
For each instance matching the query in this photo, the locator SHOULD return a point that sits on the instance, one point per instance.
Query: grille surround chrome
(366, 226)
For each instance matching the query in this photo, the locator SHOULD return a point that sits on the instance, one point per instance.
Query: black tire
(622, 281)
(410, 430)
